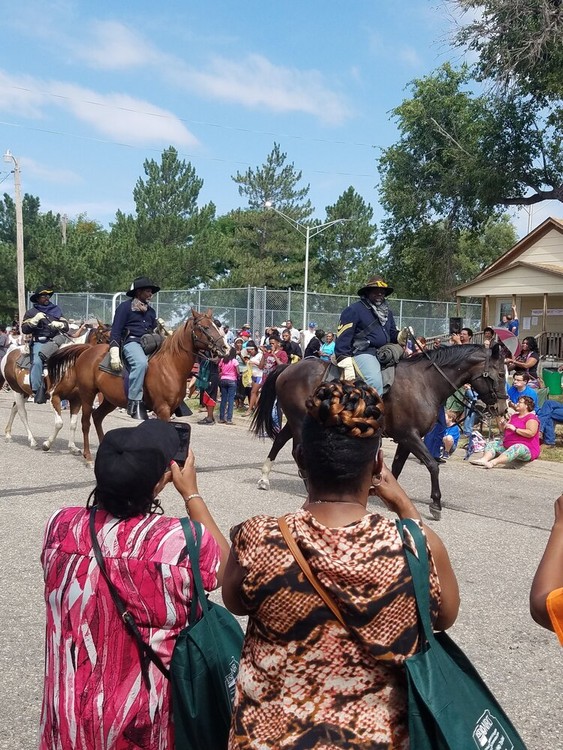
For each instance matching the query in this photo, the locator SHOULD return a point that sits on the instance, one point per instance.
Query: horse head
(205, 334)
(102, 333)
(489, 381)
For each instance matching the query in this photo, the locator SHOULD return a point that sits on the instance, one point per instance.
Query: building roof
(509, 260)
(511, 255)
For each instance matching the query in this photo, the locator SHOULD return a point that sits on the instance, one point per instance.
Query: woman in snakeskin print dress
(305, 681)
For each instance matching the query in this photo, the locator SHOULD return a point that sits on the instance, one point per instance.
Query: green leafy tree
(264, 248)
(275, 182)
(517, 42)
(167, 200)
(343, 252)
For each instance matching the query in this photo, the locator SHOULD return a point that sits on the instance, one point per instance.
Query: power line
(191, 122)
(191, 157)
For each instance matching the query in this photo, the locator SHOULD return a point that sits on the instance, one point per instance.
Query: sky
(88, 91)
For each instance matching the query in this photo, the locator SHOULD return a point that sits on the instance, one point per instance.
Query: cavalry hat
(131, 460)
(376, 282)
(40, 291)
(141, 282)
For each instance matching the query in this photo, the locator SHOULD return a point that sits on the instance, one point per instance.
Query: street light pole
(307, 232)
(20, 271)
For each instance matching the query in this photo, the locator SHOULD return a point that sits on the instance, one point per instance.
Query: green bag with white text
(204, 665)
(449, 705)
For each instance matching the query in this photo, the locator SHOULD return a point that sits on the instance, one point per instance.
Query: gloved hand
(403, 336)
(114, 359)
(57, 324)
(347, 364)
(36, 319)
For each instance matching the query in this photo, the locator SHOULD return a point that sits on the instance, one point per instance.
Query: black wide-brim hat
(142, 282)
(376, 282)
(39, 292)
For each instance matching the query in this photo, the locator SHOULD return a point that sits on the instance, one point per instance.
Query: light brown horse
(65, 389)
(165, 380)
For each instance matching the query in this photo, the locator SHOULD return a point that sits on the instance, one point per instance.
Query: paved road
(495, 526)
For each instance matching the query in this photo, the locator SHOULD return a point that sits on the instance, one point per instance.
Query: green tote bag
(450, 707)
(204, 666)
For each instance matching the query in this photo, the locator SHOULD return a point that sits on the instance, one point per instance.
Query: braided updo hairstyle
(341, 433)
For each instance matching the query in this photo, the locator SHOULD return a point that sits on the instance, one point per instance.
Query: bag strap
(193, 545)
(306, 568)
(146, 652)
(420, 572)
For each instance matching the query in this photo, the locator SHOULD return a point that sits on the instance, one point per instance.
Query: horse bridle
(212, 343)
(464, 401)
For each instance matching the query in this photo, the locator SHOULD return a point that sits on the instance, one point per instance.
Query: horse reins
(464, 401)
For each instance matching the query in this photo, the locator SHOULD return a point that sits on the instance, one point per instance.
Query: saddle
(105, 366)
(24, 360)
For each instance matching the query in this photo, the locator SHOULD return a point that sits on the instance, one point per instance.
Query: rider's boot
(137, 410)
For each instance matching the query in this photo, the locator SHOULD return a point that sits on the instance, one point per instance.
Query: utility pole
(20, 271)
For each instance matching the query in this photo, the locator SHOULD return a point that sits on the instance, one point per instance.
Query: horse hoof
(75, 451)
(46, 446)
(435, 511)
(8, 438)
(264, 484)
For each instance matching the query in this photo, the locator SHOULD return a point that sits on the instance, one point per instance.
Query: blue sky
(88, 91)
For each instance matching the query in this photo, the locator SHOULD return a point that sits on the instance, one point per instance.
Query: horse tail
(62, 360)
(263, 421)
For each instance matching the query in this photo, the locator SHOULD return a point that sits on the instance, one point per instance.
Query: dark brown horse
(165, 380)
(422, 384)
(65, 389)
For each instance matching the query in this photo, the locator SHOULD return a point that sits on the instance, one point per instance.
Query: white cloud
(48, 173)
(406, 54)
(410, 57)
(113, 46)
(19, 96)
(114, 115)
(122, 116)
(256, 82)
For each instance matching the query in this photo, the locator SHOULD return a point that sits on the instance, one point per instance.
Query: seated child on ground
(451, 436)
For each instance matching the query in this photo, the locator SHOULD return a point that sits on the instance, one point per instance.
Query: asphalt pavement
(495, 525)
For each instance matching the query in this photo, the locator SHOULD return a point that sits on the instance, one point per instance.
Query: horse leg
(86, 417)
(74, 405)
(280, 440)
(98, 416)
(56, 405)
(8, 428)
(19, 400)
(399, 459)
(419, 449)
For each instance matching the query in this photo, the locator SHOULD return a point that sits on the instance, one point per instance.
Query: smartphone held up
(183, 430)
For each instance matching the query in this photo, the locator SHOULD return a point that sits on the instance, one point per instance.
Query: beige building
(529, 276)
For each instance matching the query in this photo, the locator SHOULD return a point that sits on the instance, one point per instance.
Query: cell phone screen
(183, 430)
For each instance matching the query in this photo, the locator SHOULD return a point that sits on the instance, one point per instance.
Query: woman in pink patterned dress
(306, 682)
(97, 695)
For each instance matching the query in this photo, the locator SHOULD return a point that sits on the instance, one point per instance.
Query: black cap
(134, 459)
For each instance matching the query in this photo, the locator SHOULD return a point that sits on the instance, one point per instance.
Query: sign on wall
(550, 311)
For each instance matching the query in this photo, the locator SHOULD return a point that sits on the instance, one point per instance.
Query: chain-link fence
(262, 307)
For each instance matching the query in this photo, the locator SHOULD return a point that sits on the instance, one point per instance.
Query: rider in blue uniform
(364, 327)
(132, 320)
(46, 325)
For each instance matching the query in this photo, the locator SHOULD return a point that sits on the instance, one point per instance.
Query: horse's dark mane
(447, 355)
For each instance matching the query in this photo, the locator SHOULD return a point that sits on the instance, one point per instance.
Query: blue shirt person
(132, 320)
(521, 388)
(46, 324)
(364, 327)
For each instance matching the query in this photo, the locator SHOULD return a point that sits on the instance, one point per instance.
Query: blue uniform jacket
(41, 332)
(130, 325)
(358, 318)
